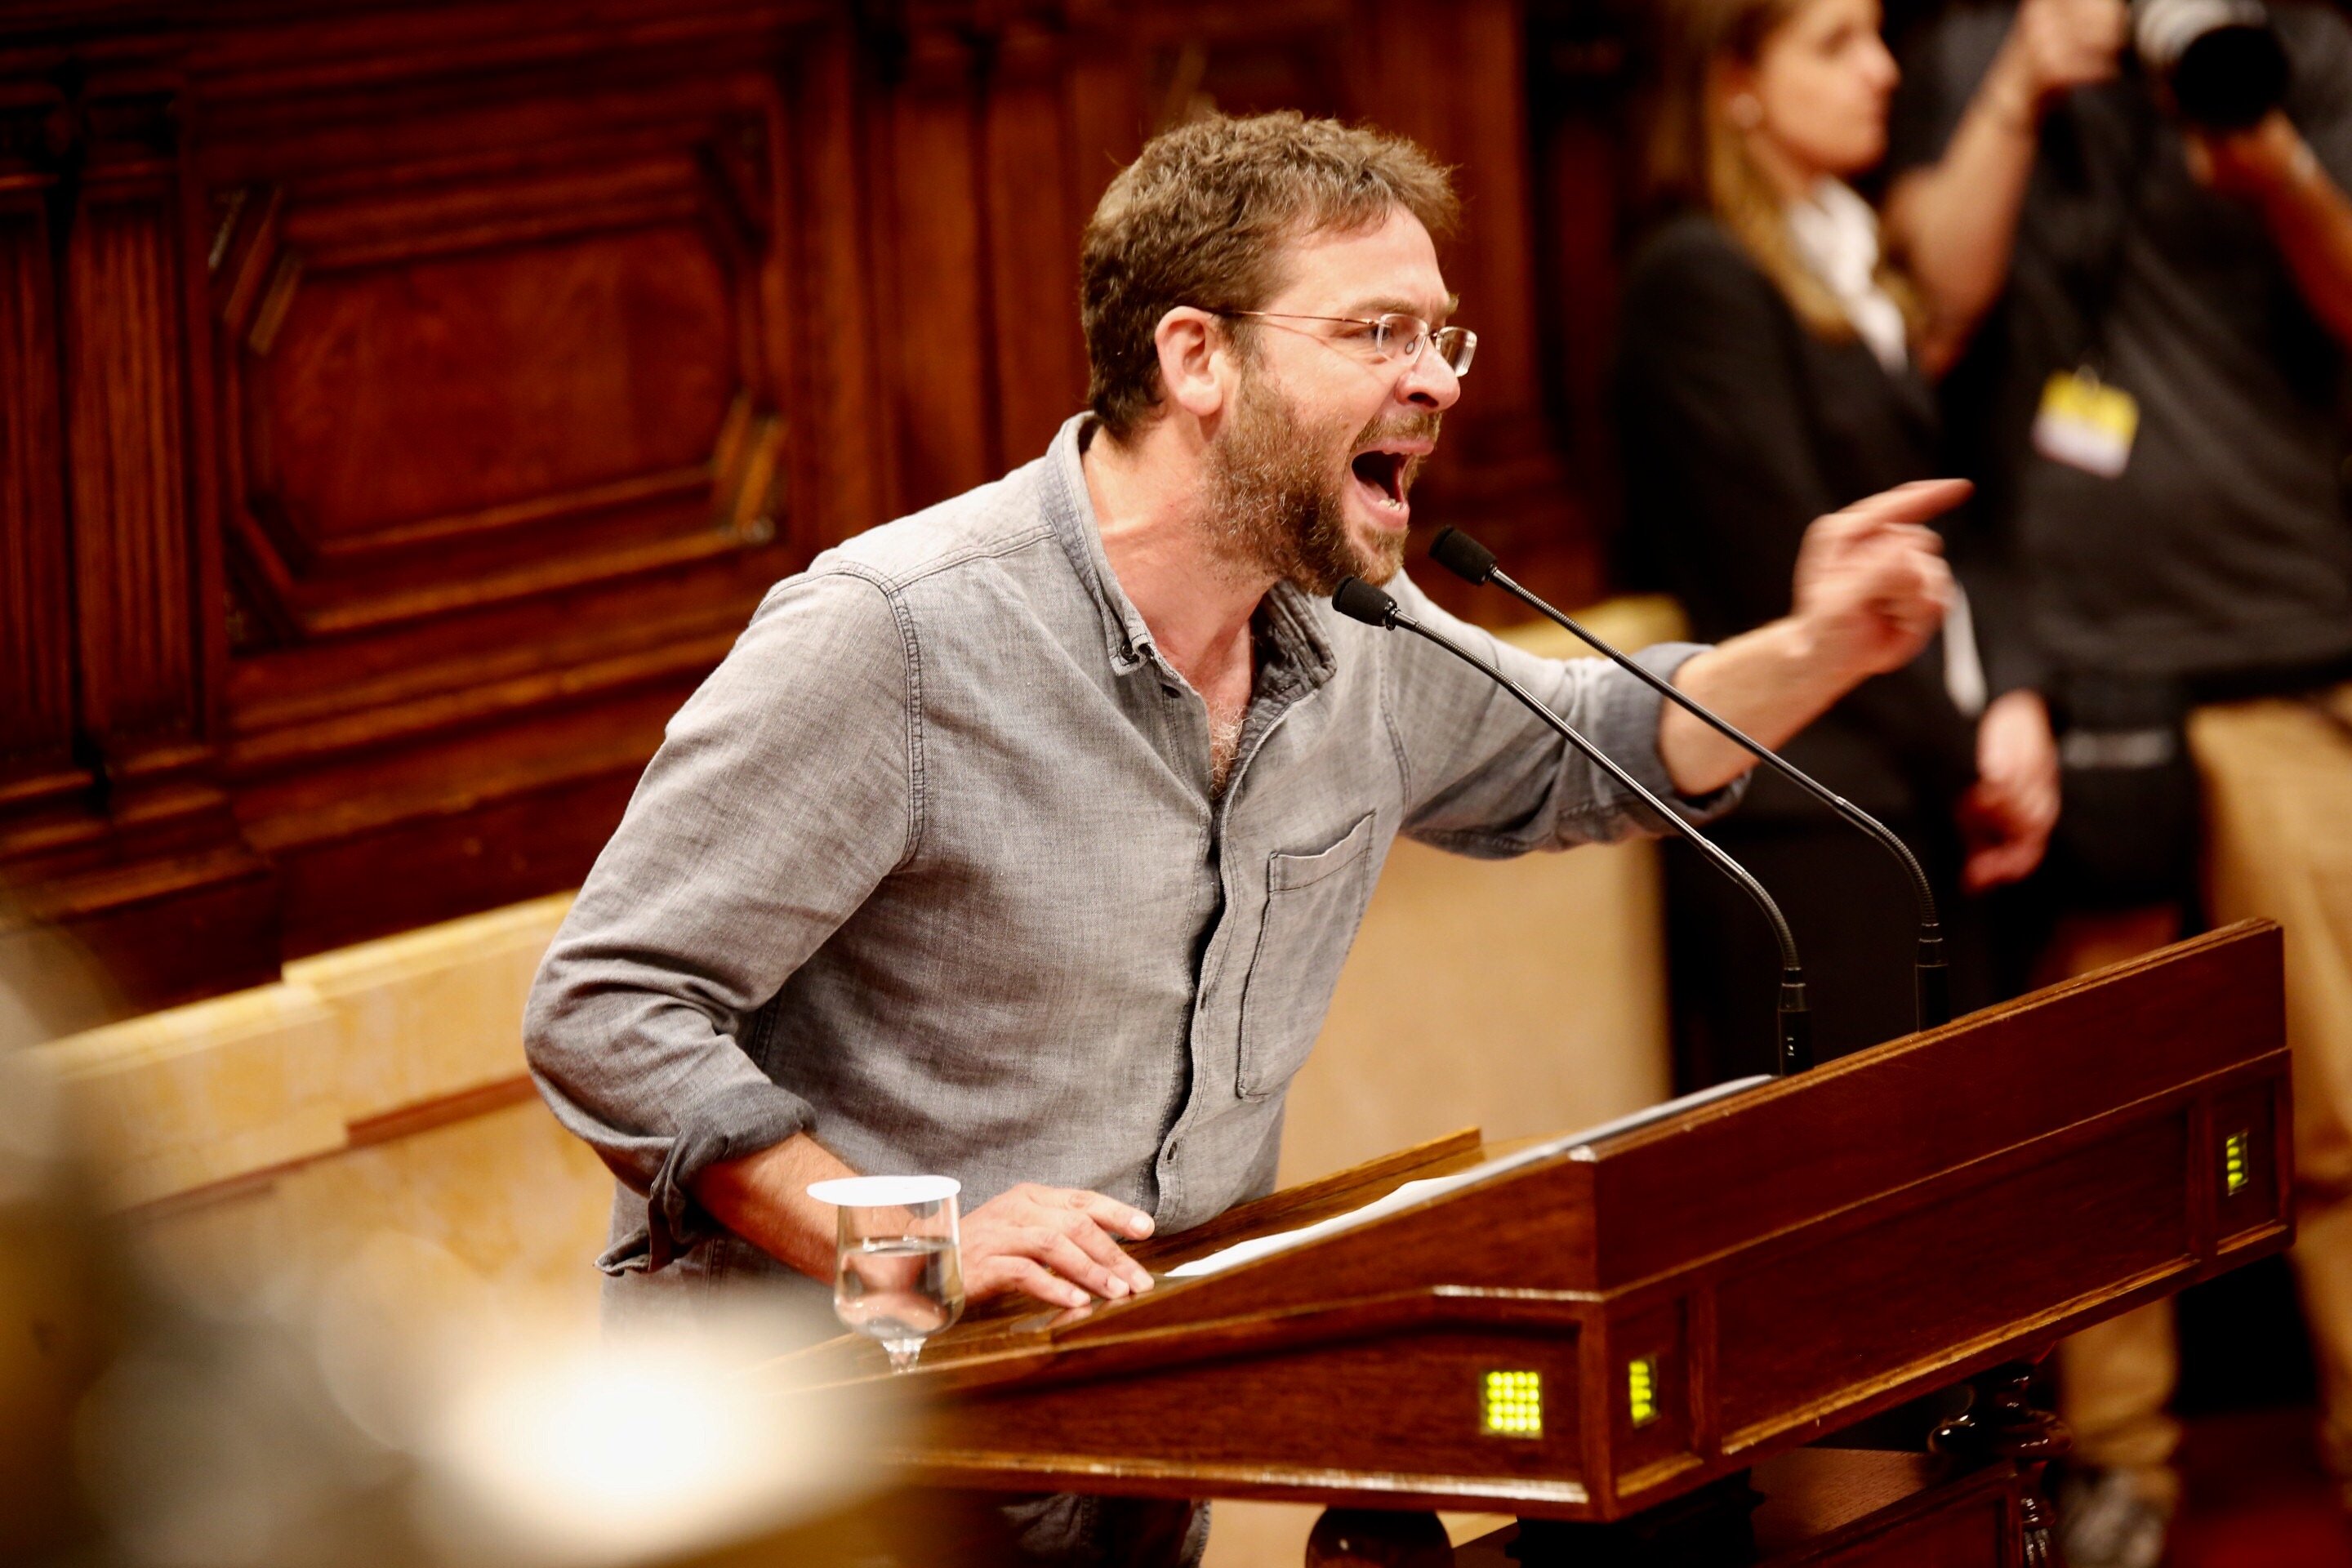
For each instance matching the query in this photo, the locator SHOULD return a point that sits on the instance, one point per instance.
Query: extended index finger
(1913, 502)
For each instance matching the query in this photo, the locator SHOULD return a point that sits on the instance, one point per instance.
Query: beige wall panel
(183, 1099)
(517, 1204)
(1522, 996)
(431, 1012)
(218, 1090)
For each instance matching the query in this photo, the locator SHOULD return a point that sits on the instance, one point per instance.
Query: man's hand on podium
(1058, 1244)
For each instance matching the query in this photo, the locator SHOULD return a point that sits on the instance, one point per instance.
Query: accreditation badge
(2085, 424)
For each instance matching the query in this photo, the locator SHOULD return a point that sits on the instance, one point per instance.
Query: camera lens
(2223, 60)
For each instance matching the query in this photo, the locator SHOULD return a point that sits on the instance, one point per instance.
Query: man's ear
(1195, 355)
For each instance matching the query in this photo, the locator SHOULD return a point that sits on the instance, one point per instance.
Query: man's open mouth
(1383, 475)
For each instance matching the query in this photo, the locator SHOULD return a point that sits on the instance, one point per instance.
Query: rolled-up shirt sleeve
(1486, 777)
(783, 794)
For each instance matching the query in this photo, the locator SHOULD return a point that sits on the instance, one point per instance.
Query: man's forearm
(2310, 222)
(763, 1198)
(2272, 167)
(1770, 682)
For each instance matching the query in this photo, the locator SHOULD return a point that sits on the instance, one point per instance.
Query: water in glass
(897, 1274)
(901, 1290)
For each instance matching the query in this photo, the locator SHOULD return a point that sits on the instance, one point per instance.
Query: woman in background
(1772, 369)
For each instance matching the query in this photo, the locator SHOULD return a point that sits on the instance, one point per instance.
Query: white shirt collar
(1836, 237)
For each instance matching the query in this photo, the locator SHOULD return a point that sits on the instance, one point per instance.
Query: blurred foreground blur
(383, 1405)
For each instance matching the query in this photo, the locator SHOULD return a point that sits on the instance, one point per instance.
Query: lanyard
(2090, 285)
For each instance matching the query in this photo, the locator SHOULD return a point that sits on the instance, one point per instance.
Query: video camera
(2222, 59)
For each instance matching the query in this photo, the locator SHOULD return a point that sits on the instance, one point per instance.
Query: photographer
(2142, 273)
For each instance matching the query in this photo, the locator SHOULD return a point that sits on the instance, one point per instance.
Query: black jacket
(1740, 427)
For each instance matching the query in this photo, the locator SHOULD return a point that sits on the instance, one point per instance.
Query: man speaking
(1022, 840)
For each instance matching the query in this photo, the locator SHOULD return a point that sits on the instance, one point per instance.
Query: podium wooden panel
(1785, 1263)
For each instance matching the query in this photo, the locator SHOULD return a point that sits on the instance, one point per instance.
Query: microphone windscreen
(1462, 555)
(1358, 600)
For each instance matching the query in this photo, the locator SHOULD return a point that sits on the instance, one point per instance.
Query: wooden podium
(1618, 1321)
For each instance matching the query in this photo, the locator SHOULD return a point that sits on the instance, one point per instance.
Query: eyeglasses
(1395, 335)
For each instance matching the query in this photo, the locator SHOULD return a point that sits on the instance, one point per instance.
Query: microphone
(1358, 600)
(1931, 979)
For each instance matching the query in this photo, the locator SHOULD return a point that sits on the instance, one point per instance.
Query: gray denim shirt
(931, 867)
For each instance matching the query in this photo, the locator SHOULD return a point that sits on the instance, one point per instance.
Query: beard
(1278, 488)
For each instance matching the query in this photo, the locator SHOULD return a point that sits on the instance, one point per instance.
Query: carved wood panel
(505, 472)
(109, 802)
(435, 389)
(136, 546)
(36, 662)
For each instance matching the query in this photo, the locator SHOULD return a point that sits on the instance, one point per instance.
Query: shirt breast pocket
(1312, 905)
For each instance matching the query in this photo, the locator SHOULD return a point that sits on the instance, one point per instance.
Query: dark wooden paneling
(2122, 1209)
(37, 718)
(407, 404)
(135, 545)
(401, 402)
(2197, 992)
(843, 454)
(1584, 57)
(1036, 209)
(448, 396)
(479, 855)
(114, 822)
(931, 226)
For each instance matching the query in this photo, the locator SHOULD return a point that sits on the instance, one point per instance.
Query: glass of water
(898, 1274)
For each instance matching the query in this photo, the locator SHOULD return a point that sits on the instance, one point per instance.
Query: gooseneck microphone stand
(1931, 979)
(1358, 600)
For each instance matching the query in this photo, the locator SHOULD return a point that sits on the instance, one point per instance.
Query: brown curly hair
(1200, 219)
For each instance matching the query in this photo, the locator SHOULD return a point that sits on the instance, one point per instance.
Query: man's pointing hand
(1872, 586)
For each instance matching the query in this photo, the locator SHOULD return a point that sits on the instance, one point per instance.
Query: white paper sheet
(1413, 1193)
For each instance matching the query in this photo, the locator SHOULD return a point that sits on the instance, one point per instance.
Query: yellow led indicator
(1511, 1404)
(1641, 1390)
(2235, 1172)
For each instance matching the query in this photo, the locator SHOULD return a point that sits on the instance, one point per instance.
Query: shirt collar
(1302, 655)
(1836, 235)
(1298, 647)
(1071, 513)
